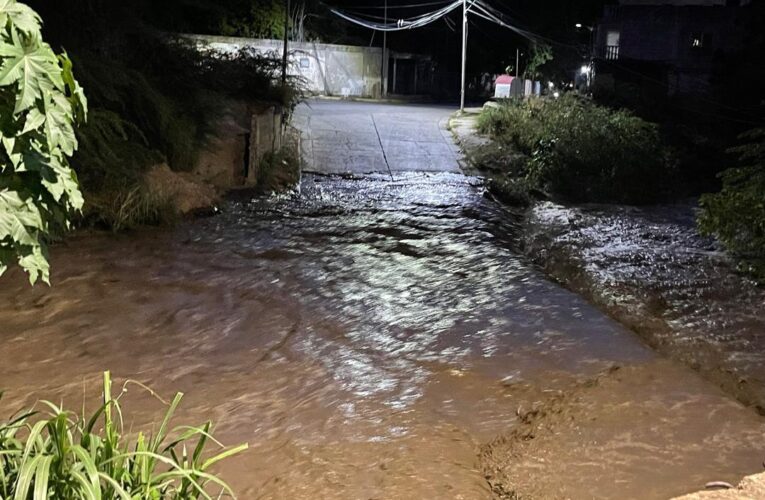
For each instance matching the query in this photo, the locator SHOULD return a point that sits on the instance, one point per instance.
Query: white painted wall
(327, 69)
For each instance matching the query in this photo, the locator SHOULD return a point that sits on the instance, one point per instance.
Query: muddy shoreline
(651, 271)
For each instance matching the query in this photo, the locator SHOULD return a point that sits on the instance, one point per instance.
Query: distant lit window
(305, 62)
(701, 40)
(613, 38)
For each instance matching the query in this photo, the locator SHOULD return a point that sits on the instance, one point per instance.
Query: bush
(67, 456)
(582, 152)
(736, 215)
(40, 103)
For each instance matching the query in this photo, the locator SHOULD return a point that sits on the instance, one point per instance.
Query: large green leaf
(20, 15)
(20, 220)
(37, 187)
(31, 67)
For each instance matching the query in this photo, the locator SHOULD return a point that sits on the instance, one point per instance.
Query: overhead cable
(400, 24)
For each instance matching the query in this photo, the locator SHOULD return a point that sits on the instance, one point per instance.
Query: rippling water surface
(370, 337)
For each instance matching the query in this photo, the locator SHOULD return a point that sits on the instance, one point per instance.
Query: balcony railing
(612, 52)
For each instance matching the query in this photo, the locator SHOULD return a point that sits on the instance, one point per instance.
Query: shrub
(583, 152)
(40, 102)
(736, 215)
(67, 456)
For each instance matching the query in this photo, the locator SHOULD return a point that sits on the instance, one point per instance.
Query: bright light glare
(550, 85)
(556, 95)
(578, 25)
(585, 69)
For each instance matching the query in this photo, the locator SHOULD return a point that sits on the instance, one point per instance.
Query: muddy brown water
(372, 339)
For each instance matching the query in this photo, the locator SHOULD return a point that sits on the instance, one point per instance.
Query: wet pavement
(340, 137)
(372, 336)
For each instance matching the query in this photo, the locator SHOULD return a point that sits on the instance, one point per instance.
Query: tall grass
(68, 456)
(579, 151)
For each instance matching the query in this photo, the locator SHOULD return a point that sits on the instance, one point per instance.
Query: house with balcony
(672, 47)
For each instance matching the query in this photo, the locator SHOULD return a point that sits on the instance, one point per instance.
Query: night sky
(491, 47)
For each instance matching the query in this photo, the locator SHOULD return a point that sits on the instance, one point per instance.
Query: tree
(40, 103)
(541, 54)
(736, 215)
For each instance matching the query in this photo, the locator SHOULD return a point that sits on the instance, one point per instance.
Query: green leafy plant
(578, 151)
(541, 54)
(66, 456)
(736, 215)
(40, 103)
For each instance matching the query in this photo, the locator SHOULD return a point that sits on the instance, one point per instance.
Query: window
(701, 40)
(305, 62)
(613, 38)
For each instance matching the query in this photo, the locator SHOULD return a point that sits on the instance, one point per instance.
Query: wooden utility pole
(286, 37)
(464, 52)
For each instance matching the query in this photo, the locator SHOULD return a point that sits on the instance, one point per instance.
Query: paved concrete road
(352, 137)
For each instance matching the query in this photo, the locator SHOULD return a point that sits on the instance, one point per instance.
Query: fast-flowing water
(372, 338)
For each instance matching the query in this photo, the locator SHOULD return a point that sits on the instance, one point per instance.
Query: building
(676, 45)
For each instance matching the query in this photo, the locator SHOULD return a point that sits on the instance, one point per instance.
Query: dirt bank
(603, 437)
(750, 488)
(649, 269)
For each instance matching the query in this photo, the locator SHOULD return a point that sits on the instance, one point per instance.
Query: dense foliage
(736, 215)
(154, 98)
(68, 456)
(40, 102)
(575, 150)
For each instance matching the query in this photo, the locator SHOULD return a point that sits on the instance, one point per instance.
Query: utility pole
(286, 36)
(517, 62)
(464, 52)
(384, 67)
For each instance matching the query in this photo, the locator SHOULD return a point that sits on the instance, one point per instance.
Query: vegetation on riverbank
(736, 215)
(155, 99)
(574, 150)
(65, 455)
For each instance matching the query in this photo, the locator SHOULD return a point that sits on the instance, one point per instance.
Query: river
(372, 337)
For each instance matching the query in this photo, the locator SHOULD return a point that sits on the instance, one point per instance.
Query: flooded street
(649, 268)
(373, 338)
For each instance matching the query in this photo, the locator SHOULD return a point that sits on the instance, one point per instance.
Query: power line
(400, 24)
(410, 6)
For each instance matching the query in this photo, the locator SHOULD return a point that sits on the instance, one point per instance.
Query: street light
(587, 68)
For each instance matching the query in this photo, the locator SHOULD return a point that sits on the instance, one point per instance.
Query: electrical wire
(409, 6)
(400, 24)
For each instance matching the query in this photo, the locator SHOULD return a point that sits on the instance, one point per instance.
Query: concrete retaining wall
(326, 69)
(243, 137)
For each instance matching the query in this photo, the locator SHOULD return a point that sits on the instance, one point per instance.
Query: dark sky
(491, 47)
